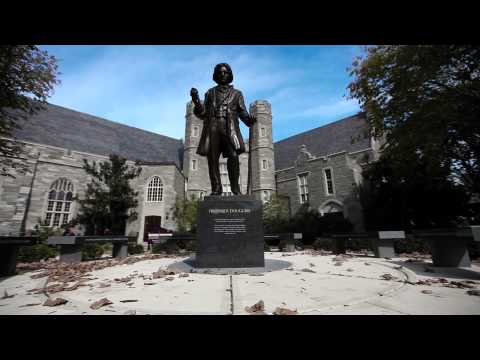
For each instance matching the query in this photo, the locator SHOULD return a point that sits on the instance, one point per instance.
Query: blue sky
(148, 86)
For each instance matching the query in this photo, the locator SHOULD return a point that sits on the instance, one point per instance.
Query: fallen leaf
(259, 306)
(127, 301)
(6, 296)
(284, 311)
(98, 304)
(56, 302)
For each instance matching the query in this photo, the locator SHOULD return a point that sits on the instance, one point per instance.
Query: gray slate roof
(324, 140)
(70, 129)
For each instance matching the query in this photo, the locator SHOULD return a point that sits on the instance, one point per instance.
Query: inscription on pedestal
(230, 232)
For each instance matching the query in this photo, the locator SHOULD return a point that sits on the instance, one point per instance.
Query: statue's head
(222, 74)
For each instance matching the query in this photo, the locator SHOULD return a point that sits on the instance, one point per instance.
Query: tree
(185, 213)
(27, 78)
(109, 196)
(275, 215)
(426, 101)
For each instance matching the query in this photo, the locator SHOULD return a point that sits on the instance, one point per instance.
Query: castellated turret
(195, 167)
(262, 157)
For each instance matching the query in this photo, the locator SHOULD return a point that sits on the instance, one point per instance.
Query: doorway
(152, 225)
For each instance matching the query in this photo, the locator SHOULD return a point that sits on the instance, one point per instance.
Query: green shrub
(473, 249)
(35, 253)
(92, 251)
(411, 245)
(266, 247)
(159, 248)
(191, 245)
(358, 244)
(323, 244)
(135, 249)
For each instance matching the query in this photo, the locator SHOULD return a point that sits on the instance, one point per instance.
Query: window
(194, 164)
(266, 196)
(202, 195)
(225, 181)
(155, 190)
(60, 197)
(195, 131)
(303, 188)
(263, 132)
(264, 164)
(328, 181)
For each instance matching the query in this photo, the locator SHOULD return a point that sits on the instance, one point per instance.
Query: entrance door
(152, 225)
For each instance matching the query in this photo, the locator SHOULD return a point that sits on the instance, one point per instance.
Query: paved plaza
(315, 283)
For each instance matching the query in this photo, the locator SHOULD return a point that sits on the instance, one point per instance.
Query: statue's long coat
(235, 109)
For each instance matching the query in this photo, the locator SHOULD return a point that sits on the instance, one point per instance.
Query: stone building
(320, 166)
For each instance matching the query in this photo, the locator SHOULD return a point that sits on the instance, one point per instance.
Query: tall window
(195, 131)
(266, 196)
(263, 132)
(328, 181)
(225, 181)
(59, 203)
(303, 188)
(155, 190)
(264, 164)
(194, 164)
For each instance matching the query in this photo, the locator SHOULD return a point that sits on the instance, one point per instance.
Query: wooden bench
(9, 246)
(71, 246)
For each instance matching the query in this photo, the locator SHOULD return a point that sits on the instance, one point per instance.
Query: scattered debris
(183, 275)
(387, 277)
(284, 311)
(125, 279)
(259, 306)
(473, 292)
(169, 278)
(128, 300)
(427, 291)
(6, 296)
(34, 304)
(398, 267)
(338, 263)
(149, 283)
(130, 312)
(98, 304)
(312, 265)
(350, 269)
(367, 263)
(56, 302)
(308, 270)
(189, 280)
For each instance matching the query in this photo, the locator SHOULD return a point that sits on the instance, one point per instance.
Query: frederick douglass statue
(222, 108)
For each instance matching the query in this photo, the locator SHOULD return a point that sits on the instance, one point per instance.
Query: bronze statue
(220, 111)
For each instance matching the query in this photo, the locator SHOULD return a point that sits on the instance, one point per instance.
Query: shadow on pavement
(427, 269)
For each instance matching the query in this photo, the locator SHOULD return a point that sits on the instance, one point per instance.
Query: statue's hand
(253, 120)
(194, 95)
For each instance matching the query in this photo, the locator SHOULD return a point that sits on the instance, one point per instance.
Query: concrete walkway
(314, 284)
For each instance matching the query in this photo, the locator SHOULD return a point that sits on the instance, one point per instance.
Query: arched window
(58, 209)
(155, 190)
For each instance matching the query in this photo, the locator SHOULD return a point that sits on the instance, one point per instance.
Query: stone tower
(263, 161)
(195, 167)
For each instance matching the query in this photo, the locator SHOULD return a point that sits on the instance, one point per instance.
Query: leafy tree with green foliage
(27, 78)
(185, 213)
(425, 99)
(109, 197)
(275, 215)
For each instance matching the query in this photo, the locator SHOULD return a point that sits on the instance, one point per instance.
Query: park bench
(9, 246)
(382, 242)
(449, 246)
(288, 239)
(71, 246)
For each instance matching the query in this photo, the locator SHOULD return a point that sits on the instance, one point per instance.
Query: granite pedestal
(383, 247)
(230, 232)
